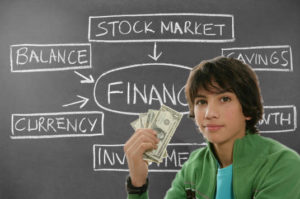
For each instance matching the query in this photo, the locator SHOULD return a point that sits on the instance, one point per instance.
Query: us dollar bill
(150, 116)
(164, 123)
(135, 124)
(147, 120)
(144, 120)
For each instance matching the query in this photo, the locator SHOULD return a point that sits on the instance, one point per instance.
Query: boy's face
(219, 116)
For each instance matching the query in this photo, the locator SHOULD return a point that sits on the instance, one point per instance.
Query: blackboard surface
(74, 74)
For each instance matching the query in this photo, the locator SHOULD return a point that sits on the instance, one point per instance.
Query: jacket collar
(244, 150)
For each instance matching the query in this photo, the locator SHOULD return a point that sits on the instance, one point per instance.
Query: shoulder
(199, 164)
(277, 169)
(274, 158)
(257, 150)
(273, 149)
(198, 153)
(198, 157)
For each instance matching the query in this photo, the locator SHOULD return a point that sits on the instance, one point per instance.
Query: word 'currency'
(164, 121)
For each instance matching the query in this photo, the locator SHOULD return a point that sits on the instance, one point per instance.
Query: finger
(136, 152)
(146, 146)
(144, 133)
(149, 132)
(141, 144)
(136, 144)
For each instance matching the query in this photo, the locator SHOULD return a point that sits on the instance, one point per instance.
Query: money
(144, 119)
(164, 121)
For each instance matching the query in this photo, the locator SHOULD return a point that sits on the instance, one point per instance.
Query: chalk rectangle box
(50, 57)
(263, 58)
(57, 125)
(162, 27)
(278, 119)
(112, 157)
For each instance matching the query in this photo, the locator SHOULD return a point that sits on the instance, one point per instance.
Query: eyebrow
(200, 96)
(218, 93)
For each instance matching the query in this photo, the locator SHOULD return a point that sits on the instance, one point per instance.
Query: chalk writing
(112, 157)
(147, 95)
(263, 58)
(186, 27)
(49, 57)
(278, 119)
(150, 87)
(53, 125)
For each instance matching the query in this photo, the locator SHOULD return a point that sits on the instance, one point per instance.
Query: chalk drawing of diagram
(117, 90)
(120, 91)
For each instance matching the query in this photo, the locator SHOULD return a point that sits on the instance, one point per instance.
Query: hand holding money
(142, 140)
(164, 122)
(153, 132)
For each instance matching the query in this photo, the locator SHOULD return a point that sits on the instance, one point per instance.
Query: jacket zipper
(215, 177)
(235, 148)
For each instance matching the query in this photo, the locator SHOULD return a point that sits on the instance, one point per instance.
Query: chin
(214, 139)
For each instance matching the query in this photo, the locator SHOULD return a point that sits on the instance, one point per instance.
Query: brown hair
(231, 75)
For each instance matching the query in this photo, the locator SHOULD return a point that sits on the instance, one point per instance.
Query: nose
(211, 111)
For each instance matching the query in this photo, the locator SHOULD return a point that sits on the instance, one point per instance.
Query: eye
(201, 102)
(225, 99)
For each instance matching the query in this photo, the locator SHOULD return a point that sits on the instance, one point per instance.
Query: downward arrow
(155, 56)
(83, 102)
(86, 80)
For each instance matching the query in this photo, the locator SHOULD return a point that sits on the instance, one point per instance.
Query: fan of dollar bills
(164, 121)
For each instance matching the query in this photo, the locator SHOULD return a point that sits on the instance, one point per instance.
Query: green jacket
(262, 169)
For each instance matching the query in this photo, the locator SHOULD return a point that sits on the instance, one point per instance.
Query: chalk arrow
(155, 56)
(85, 80)
(83, 102)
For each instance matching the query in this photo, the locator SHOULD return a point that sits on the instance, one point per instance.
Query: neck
(224, 150)
(224, 154)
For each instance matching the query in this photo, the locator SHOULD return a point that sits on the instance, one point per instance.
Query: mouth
(213, 127)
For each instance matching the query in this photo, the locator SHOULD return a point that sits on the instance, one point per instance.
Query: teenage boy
(225, 102)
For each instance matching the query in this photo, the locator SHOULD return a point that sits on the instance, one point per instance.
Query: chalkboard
(74, 74)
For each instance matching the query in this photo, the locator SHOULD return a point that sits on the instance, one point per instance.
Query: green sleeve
(137, 196)
(282, 181)
(177, 189)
